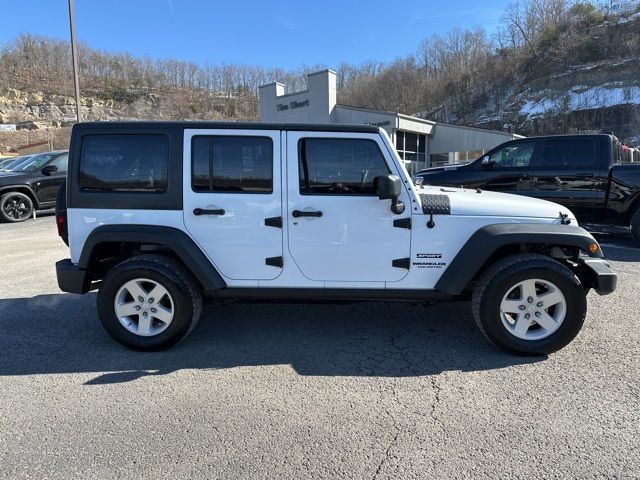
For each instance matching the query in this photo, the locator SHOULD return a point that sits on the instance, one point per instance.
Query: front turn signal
(593, 248)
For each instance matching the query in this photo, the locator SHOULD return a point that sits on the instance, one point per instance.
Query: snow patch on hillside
(581, 97)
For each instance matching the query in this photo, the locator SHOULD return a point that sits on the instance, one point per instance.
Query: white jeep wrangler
(158, 215)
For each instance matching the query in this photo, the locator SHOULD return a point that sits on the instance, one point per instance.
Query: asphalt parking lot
(290, 391)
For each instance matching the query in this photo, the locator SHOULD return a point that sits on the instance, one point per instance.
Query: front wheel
(15, 207)
(529, 304)
(149, 302)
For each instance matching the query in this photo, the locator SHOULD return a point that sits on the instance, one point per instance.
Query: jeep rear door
(233, 199)
(338, 229)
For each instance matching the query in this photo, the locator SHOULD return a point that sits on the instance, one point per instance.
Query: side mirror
(49, 169)
(390, 187)
(486, 161)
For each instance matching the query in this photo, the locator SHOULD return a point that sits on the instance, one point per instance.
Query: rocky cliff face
(19, 106)
(582, 98)
(47, 116)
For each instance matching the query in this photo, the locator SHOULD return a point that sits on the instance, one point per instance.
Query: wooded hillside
(553, 66)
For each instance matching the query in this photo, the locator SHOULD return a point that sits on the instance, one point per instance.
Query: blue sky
(270, 33)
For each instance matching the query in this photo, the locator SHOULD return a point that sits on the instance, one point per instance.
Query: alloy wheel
(144, 307)
(533, 309)
(16, 208)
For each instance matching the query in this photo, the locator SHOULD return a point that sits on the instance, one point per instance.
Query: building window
(411, 147)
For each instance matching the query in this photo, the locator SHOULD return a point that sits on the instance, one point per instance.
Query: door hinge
(401, 263)
(274, 262)
(273, 222)
(402, 223)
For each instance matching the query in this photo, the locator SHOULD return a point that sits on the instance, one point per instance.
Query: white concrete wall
(452, 138)
(355, 116)
(314, 105)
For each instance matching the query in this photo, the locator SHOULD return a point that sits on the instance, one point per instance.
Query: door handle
(204, 211)
(299, 213)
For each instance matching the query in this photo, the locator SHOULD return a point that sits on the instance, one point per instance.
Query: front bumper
(72, 279)
(602, 279)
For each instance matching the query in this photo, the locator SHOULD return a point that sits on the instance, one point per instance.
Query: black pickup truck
(586, 173)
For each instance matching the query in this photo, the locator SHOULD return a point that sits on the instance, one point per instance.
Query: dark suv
(31, 185)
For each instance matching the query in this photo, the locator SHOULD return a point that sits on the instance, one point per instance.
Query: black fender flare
(18, 187)
(488, 239)
(174, 239)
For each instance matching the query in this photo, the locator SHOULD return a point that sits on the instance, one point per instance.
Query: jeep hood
(483, 203)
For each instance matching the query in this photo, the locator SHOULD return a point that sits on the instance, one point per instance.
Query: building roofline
(365, 109)
(271, 84)
(466, 127)
(326, 70)
(384, 112)
(417, 119)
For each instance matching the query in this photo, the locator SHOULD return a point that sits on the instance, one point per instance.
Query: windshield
(33, 163)
(8, 164)
(6, 161)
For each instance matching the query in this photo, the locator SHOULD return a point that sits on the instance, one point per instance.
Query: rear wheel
(15, 207)
(529, 304)
(635, 226)
(149, 302)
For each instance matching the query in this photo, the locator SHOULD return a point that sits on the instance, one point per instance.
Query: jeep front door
(338, 229)
(233, 200)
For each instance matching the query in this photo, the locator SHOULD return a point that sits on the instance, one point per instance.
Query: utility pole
(74, 58)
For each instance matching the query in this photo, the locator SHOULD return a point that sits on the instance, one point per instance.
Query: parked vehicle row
(31, 183)
(589, 174)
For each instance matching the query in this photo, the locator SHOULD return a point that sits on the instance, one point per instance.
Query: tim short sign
(293, 104)
(379, 124)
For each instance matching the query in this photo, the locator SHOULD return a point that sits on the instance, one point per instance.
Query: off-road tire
(635, 226)
(21, 197)
(172, 275)
(501, 276)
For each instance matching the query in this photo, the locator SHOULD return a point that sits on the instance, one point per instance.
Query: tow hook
(564, 218)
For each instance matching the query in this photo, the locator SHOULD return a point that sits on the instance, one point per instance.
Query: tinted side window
(569, 154)
(124, 163)
(61, 162)
(339, 166)
(513, 156)
(232, 164)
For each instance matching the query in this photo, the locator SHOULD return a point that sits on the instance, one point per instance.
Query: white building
(419, 142)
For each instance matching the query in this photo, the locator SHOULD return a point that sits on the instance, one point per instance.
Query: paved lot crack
(436, 399)
(387, 453)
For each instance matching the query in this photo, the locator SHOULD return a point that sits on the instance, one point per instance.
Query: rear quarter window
(124, 163)
(571, 153)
